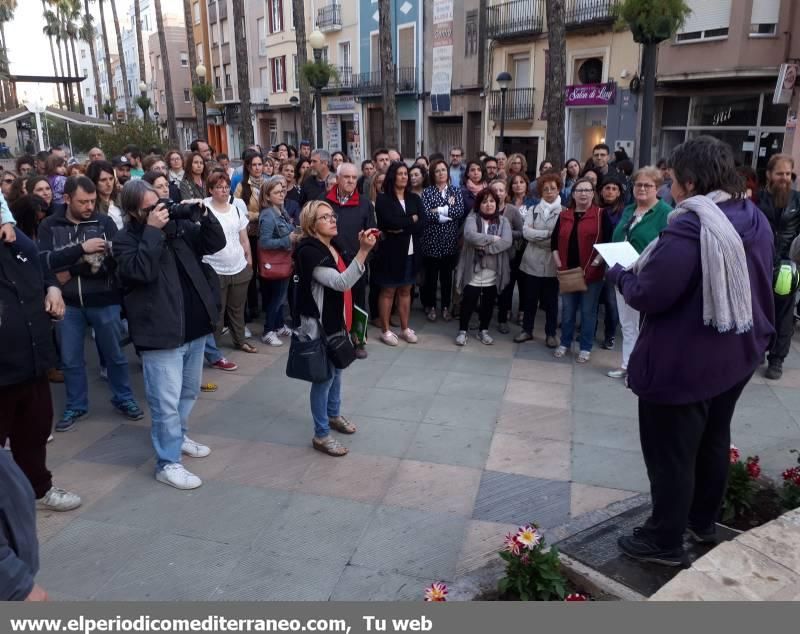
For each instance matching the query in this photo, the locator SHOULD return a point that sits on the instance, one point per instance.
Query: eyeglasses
(644, 185)
(147, 210)
(8, 181)
(328, 217)
(583, 191)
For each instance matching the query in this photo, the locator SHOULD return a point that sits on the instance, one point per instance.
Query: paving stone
(534, 457)
(126, 445)
(150, 505)
(541, 371)
(66, 445)
(414, 543)
(778, 540)
(538, 422)
(173, 568)
(434, 487)
(769, 397)
(380, 436)
(363, 374)
(483, 365)
(356, 476)
(324, 529)
(585, 498)
(358, 583)
(509, 498)
(538, 393)
(450, 445)
(270, 465)
(472, 385)
(229, 385)
(432, 359)
(613, 432)
(693, 585)
(224, 452)
(411, 379)
(748, 420)
(610, 468)
(457, 411)
(607, 397)
(392, 404)
(482, 543)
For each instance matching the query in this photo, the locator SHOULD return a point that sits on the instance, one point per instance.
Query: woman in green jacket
(640, 224)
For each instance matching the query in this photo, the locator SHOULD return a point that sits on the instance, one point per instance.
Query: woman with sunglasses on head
(579, 227)
(325, 305)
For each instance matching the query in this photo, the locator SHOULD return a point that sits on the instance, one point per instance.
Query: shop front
(342, 127)
(587, 117)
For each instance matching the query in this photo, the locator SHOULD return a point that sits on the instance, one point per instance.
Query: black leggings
(469, 300)
(438, 271)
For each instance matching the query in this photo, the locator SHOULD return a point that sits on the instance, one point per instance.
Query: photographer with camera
(74, 245)
(172, 302)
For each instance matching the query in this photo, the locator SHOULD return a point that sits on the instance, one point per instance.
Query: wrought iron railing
(329, 17)
(519, 104)
(517, 18)
(579, 13)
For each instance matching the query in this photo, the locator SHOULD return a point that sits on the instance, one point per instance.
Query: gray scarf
(727, 304)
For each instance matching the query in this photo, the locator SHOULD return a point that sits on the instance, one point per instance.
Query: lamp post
(295, 104)
(202, 96)
(317, 41)
(144, 101)
(504, 81)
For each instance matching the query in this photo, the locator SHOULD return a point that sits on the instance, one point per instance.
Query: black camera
(182, 211)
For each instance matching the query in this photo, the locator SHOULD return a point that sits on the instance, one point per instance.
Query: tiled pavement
(455, 447)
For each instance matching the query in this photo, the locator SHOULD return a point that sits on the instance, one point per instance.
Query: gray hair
(133, 193)
(345, 165)
(323, 155)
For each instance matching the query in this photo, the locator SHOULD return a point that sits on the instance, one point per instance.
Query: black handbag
(340, 350)
(308, 360)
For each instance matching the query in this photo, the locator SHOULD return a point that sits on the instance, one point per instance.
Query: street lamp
(295, 103)
(203, 94)
(317, 41)
(504, 81)
(143, 101)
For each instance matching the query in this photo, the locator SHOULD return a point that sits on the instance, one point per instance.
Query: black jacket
(309, 254)
(26, 333)
(91, 280)
(785, 223)
(19, 549)
(147, 264)
(390, 258)
(354, 216)
(311, 189)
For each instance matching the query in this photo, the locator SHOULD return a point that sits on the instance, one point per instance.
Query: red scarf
(348, 296)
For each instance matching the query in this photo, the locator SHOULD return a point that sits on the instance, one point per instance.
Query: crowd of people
(180, 253)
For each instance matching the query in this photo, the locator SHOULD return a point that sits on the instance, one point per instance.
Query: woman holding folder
(640, 224)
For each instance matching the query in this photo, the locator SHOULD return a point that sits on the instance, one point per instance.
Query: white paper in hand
(621, 253)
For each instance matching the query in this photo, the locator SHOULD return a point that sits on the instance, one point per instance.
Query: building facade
(718, 76)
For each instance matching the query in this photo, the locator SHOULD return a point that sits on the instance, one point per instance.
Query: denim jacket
(274, 229)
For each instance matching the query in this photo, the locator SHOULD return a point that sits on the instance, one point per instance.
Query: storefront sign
(591, 94)
(341, 104)
(334, 133)
(787, 77)
(442, 55)
(354, 148)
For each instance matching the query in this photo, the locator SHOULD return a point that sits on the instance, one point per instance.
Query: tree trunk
(172, 126)
(556, 81)
(53, 56)
(306, 125)
(649, 60)
(198, 110)
(137, 10)
(120, 51)
(246, 135)
(4, 83)
(67, 91)
(388, 75)
(95, 67)
(77, 74)
(109, 74)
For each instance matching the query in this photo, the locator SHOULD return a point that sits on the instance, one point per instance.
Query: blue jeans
(326, 401)
(273, 297)
(586, 302)
(107, 327)
(211, 351)
(172, 382)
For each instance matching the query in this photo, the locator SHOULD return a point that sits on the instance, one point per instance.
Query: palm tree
(556, 79)
(72, 13)
(388, 74)
(122, 66)
(109, 74)
(187, 18)
(306, 125)
(172, 127)
(137, 11)
(246, 136)
(87, 34)
(7, 8)
(51, 30)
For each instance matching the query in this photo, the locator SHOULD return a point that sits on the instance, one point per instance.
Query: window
(709, 19)
(158, 61)
(83, 53)
(764, 17)
(196, 12)
(163, 98)
(199, 53)
(187, 95)
(344, 55)
(223, 31)
(408, 137)
(214, 36)
(217, 81)
(263, 77)
(471, 34)
(296, 72)
(89, 111)
(275, 8)
(87, 91)
(325, 55)
(184, 59)
(226, 69)
(262, 37)
(278, 69)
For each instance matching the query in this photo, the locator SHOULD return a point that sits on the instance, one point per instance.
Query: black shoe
(639, 547)
(774, 371)
(503, 328)
(703, 536)
(361, 352)
(608, 344)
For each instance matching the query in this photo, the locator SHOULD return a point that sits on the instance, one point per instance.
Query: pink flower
(528, 537)
(792, 475)
(436, 592)
(734, 454)
(511, 545)
(575, 596)
(752, 466)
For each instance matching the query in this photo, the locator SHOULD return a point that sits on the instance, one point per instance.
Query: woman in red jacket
(578, 229)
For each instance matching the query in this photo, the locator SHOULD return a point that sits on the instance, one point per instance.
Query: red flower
(734, 454)
(575, 596)
(792, 475)
(753, 468)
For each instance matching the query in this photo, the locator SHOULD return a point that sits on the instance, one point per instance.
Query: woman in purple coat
(704, 290)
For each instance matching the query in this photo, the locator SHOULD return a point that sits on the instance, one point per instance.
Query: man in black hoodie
(74, 245)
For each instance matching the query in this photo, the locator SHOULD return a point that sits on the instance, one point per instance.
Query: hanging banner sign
(591, 94)
(442, 55)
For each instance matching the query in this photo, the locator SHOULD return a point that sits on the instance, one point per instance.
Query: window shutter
(274, 75)
(271, 27)
(283, 72)
(765, 11)
(707, 15)
(280, 14)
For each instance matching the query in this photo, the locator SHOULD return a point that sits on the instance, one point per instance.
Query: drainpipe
(420, 78)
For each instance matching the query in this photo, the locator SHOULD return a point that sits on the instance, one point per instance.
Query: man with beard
(781, 205)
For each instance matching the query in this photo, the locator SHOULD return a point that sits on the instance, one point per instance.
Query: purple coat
(678, 359)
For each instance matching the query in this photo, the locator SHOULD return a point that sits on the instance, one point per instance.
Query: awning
(74, 118)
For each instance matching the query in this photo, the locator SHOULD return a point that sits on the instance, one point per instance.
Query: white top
(115, 213)
(230, 260)
(411, 241)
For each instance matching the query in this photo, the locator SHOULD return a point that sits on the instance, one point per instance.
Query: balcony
(229, 93)
(343, 82)
(369, 84)
(519, 104)
(329, 18)
(222, 11)
(515, 19)
(406, 80)
(217, 94)
(581, 14)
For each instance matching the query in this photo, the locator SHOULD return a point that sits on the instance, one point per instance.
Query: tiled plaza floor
(455, 447)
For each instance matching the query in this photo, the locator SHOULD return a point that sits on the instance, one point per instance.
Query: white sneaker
(58, 500)
(50, 438)
(194, 449)
(104, 373)
(560, 352)
(247, 333)
(485, 338)
(271, 339)
(409, 335)
(175, 475)
(584, 356)
(285, 331)
(618, 374)
(461, 338)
